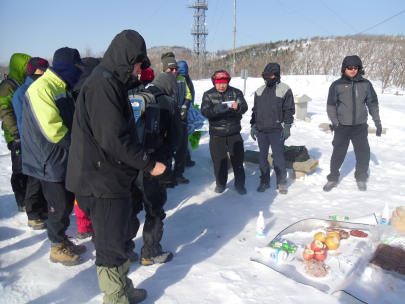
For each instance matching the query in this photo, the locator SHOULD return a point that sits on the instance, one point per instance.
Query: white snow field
(212, 235)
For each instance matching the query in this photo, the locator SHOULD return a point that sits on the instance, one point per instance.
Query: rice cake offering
(389, 258)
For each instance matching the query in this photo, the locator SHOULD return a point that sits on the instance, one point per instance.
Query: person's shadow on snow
(198, 231)
(349, 164)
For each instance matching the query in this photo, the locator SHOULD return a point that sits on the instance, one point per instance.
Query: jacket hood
(352, 60)
(87, 70)
(18, 67)
(126, 49)
(166, 82)
(183, 68)
(272, 69)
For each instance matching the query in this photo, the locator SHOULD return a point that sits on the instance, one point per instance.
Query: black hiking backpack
(296, 153)
(147, 117)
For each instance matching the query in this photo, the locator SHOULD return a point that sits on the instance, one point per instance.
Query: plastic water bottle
(273, 253)
(385, 215)
(260, 226)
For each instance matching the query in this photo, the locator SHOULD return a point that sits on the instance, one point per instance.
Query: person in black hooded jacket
(348, 101)
(105, 156)
(273, 105)
(224, 106)
(162, 147)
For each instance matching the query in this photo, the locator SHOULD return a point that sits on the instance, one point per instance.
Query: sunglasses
(352, 68)
(174, 69)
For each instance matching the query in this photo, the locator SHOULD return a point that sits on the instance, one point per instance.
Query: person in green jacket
(15, 78)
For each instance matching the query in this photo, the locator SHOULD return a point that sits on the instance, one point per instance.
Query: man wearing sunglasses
(349, 99)
(183, 99)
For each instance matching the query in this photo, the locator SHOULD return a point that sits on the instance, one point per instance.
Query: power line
(305, 17)
(226, 41)
(153, 15)
(379, 23)
(170, 27)
(219, 23)
(251, 36)
(339, 17)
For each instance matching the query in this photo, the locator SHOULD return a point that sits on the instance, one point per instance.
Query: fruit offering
(332, 243)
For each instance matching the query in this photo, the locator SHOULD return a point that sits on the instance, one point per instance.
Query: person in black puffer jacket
(348, 101)
(224, 119)
(273, 105)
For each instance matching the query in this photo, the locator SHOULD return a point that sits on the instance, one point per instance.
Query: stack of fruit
(322, 243)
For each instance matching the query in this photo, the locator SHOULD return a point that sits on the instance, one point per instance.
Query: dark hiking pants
(153, 199)
(112, 228)
(18, 179)
(219, 146)
(358, 136)
(265, 140)
(181, 153)
(35, 203)
(60, 206)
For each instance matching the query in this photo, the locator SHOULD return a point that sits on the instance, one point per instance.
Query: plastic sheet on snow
(350, 270)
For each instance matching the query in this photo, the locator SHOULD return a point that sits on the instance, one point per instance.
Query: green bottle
(340, 218)
(283, 246)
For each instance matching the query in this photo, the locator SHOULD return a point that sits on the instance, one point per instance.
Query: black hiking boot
(181, 179)
(85, 235)
(282, 189)
(189, 162)
(362, 186)
(137, 295)
(219, 189)
(329, 186)
(159, 259)
(263, 187)
(241, 190)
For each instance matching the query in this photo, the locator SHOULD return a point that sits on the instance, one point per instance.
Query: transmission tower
(199, 33)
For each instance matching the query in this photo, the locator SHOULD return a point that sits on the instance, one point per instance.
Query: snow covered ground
(212, 235)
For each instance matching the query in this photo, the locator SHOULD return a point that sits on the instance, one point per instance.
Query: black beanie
(168, 61)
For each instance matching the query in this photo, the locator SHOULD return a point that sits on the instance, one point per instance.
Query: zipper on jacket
(48, 157)
(354, 103)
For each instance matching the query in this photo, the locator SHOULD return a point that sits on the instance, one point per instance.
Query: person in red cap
(35, 203)
(224, 106)
(147, 76)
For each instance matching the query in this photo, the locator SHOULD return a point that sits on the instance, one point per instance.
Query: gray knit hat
(168, 61)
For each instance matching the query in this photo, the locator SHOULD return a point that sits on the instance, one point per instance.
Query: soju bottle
(341, 218)
(283, 246)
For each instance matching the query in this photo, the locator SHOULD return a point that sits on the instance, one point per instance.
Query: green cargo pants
(115, 284)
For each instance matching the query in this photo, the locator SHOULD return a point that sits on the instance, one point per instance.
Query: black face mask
(270, 81)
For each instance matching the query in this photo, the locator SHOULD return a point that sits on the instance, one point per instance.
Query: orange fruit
(320, 236)
(332, 243)
(334, 234)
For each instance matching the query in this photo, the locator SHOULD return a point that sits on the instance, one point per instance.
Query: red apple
(325, 248)
(320, 255)
(308, 246)
(308, 254)
(317, 246)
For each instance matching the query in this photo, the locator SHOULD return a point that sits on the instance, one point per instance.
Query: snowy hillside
(212, 236)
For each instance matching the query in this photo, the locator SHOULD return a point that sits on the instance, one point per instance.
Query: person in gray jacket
(348, 101)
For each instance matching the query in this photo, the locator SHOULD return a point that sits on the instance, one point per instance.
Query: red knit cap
(36, 63)
(222, 77)
(147, 74)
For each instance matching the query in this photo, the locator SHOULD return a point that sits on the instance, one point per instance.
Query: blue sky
(40, 27)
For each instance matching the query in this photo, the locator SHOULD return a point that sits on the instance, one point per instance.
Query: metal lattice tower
(199, 33)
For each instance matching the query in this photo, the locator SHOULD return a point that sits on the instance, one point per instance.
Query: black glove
(253, 132)
(17, 144)
(167, 178)
(286, 131)
(332, 127)
(183, 113)
(220, 108)
(379, 127)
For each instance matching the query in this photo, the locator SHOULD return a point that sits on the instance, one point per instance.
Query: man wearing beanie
(183, 99)
(348, 101)
(105, 159)
(273, 105)
(224, 106)
(35, 203)
(46, 136)
(14, 79)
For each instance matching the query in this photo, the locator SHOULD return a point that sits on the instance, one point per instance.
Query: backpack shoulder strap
(14, 83)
